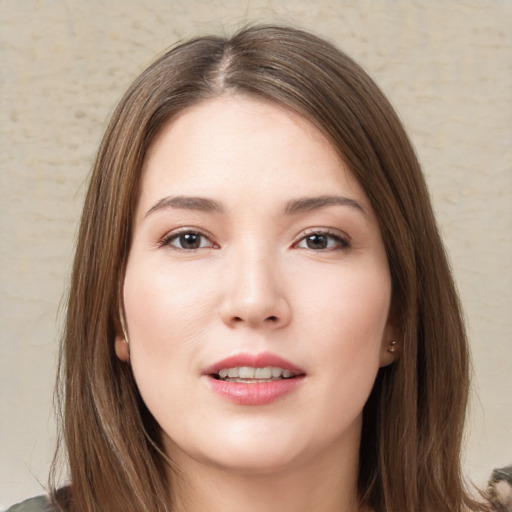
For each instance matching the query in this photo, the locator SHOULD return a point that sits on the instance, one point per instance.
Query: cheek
(164, 304)
(348, 307)
(347, 318)
(168, 315)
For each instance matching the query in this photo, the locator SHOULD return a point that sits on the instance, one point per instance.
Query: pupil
(189, 241)
(316, 242)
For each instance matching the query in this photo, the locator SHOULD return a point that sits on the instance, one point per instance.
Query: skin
(254, 282)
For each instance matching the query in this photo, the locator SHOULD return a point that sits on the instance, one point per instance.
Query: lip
(256, 393)
(253, 360)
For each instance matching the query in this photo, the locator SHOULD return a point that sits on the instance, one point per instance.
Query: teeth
(249, 373)
(276, 372)
(244, 372)
(263, 373)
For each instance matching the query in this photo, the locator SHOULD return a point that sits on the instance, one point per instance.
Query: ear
(122, 348)
(390, 346)
(121, 344)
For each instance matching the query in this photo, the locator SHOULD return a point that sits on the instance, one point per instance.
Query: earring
(393, 346)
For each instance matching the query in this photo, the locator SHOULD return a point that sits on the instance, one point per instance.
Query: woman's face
(254, 247)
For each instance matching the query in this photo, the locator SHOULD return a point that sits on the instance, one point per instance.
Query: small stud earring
(393, 347)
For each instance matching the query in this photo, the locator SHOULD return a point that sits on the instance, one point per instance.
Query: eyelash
(175, 235)
(340, 242)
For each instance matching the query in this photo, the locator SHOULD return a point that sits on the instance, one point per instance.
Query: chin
(242, 450)
(255, 462)
(264, 445)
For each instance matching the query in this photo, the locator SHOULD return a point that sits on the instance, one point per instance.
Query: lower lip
(255, 393)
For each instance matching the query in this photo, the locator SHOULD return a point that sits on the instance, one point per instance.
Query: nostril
(255, 320)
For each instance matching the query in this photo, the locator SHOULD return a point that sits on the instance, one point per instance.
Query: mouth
(247, 379)
(251, 375)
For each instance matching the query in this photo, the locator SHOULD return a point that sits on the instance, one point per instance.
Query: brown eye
(188, 241)
(323, 242)
(317, 241)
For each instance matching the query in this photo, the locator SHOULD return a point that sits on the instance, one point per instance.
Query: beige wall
(447, 66)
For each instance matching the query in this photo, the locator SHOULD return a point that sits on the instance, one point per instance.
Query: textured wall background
(447, 67)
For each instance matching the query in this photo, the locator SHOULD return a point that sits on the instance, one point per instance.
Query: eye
(187, 240)
(323, 241)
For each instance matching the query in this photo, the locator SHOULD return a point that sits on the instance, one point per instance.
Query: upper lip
(261, 360)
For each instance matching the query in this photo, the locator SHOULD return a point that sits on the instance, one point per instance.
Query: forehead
(247, 148)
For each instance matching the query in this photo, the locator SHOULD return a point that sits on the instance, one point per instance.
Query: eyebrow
(202, 204)
(306, 204)
(295, 206)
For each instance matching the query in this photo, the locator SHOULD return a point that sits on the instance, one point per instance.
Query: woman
(261, 314)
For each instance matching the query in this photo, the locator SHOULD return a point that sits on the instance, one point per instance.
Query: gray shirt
(38, 504)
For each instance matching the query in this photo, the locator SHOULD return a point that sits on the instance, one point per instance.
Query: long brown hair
(413, 421)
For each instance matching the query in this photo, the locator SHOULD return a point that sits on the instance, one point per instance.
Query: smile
(253, 379)
(248, 374)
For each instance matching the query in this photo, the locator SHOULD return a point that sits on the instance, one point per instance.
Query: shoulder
(38, 504)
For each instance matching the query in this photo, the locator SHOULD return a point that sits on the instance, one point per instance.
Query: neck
(326, 484)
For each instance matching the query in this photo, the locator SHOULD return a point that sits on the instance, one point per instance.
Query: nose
(254, 292)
